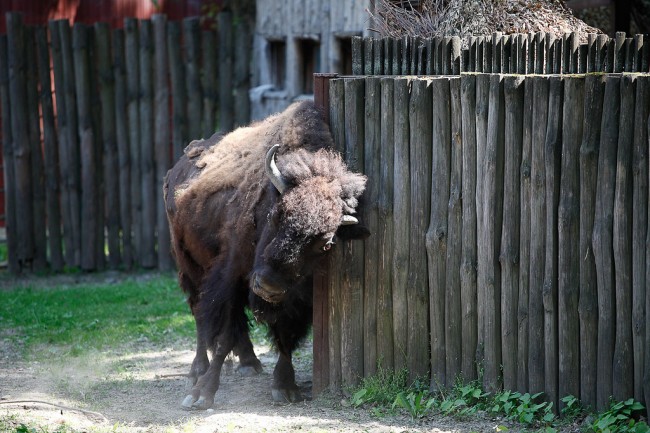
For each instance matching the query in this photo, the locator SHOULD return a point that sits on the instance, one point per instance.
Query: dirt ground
(140, 387)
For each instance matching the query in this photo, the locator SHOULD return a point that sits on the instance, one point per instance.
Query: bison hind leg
(249, 364)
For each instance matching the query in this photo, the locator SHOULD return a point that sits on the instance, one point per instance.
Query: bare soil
(139, 388)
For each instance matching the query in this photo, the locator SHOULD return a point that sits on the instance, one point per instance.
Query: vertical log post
(123, 150)
(420, 126)
(509, 257)
(226, 99)
(385, 229)
(147, 160)
(469, 247)
(111, 166)
(602, 239)
(569, 257)
(89, 193)
(179, 97)
(639, 230)
(623, 367)
(372, 136)
(51, 154)
(192, 45)
(8, 160)
(588, 301)
(161, 138)
(437, 232)
(401, 220)
(20, 131)
(131, 51)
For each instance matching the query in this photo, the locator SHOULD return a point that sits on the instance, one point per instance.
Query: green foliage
(522, 407)
(71, 319)
(416, 403)
(572, 407)
(382, 388)
(619, 419)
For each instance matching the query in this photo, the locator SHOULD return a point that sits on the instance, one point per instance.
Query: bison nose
(266, 290)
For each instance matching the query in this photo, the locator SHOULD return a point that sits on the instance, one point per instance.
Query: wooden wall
(510, 233)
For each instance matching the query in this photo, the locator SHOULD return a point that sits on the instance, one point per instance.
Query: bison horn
(347, 220)
(272, 171)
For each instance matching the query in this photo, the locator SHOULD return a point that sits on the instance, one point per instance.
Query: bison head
(315, 198)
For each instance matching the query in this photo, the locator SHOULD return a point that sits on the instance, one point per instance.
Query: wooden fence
(530, 53)
(510, 234)
(92, 119)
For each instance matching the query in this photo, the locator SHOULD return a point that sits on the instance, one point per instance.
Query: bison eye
(328, 245)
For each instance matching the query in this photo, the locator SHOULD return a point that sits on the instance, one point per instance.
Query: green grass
(69, 319)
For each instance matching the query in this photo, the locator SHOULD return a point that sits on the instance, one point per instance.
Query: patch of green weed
(619, 418)
(381, 388)
(72, 319)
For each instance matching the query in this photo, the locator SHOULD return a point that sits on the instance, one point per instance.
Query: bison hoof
(201, 404)
(287, 395)
(249, 370)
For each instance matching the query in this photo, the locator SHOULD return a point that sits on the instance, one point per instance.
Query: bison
(250, 214)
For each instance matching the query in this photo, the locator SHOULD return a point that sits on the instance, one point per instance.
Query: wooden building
(294, 39)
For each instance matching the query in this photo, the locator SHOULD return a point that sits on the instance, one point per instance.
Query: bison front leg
(284, 389)
(202, 394)
(249, 365)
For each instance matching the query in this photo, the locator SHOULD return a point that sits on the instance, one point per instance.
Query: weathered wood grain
(623, 366)
(569, 240)
(536, 368)
(372, 135)
(437, 231)
(192, 62)
(179, 96)
(469, 247)
(417, 290)
(123, 150)
(602, 239)
(161, 139)
(385, 229)
(510, 232)
(148, 256)
(401, 220)
(639, 229)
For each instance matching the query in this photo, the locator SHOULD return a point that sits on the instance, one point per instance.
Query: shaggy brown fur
(232, 232)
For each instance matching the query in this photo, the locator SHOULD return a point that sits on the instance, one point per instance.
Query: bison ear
(353, 232)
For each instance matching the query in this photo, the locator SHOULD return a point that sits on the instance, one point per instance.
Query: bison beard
(247, 232)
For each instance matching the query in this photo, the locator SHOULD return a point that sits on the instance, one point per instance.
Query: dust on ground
(139, 388)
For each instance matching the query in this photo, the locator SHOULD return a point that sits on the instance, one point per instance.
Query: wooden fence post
(352, 271)
(19, 129)
(401, 220)
(337, 124)
(385, 229)
(510, 232)
(8, 160)
(226, 101)
(147, 159)
(639, 230)
(623, 367)
(588, 300)
(453, 292)
(469, 246)
(37, 169)
(523, 331)
(603, 241)
(437, 231)
(89, 191)
(179, 97)
(111, 178)
(420, 124)
(161, 138)
(132, 63)
(51, 150)
(192, 46)
(537, 240)
(123, 150)
(569, 257)
(552, 157)
(372, 135)
(209, 77)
